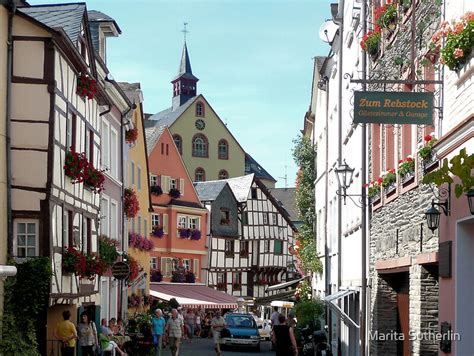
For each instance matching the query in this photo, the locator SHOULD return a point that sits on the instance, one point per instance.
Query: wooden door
(403, 304)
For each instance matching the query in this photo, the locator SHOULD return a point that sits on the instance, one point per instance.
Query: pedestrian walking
(174, 332)
(67, 334)
(87, 335)
(217, 324)
(198, 324)
(190, 324)
(274, 317)
(158, 324)
(283, 338)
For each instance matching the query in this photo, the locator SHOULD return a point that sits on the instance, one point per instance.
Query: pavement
(205, 347)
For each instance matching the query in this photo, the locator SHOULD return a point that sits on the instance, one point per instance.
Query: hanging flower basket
(94, 178)
(459, 41)
(158, 231)
(371, 41)
(131, 205)
(74, 165)
(108, 250)
(134, 267)
(84, 266)
(174, 193)
(131, 136)
(139, 242)
(184, 233)
(86, 86)
(156, 190)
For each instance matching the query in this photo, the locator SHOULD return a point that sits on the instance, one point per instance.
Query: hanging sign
(382, 107)
(120, 270)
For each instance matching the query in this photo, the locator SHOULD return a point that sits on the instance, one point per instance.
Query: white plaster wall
(38, 102)
(29, 135)
(29, 168)
(29, 59)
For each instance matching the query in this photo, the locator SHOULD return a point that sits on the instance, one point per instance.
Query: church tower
(185, 83)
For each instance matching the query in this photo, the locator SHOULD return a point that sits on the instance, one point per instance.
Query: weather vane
(185, 30)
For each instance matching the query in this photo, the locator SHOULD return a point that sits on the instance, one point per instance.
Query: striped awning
(193, 295)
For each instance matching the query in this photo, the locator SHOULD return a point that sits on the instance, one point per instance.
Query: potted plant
(108, 250)
(134, 267)
(426, 149)
(94, 178)
(406, 168)
(195, 234)
(156, 190)
(388, 180)
(156, 276)
(174, 193)
(74, 165)
(370, 42)
(386, 15)
(373, 192)
(86, 86)
(184, 233)
(131, 205)
(459, 41)
(131, 136)
(157, 231)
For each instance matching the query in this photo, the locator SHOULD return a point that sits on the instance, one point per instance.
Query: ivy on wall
(26, 301)
(304, 155)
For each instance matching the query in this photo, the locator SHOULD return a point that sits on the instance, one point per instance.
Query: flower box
(131, 136)
(195, 234)
(408, 177)
(131, 205)
(158, 231)
(184, 233)
(86, 86)
(94, 178)
(390, 189)
(82, 265)
(174, 193)
(156, 190)
(74, 165)
(406, 169)
(386, 16)
(389, 178)
(371, 42)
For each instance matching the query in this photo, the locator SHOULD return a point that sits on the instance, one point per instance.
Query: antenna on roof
(185, 30)
(285, 178)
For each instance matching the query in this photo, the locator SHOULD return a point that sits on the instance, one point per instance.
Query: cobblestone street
(205, 347)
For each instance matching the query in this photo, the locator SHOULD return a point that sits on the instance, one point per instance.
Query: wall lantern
(433, 215)
(470, 200)
(344, 175)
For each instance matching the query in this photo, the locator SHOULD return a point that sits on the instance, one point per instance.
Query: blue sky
(253, 59)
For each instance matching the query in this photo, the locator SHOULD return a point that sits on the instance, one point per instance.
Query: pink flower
(458, 53)
(458, 28)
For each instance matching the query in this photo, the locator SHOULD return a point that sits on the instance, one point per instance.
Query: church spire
(185, 83)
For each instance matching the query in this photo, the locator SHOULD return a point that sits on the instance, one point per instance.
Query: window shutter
(181, 186)
(196, 270)
(165, 223)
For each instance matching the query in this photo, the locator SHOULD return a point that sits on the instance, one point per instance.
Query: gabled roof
(66, 16)
(168, 116)
(97, 16)
(152, 135)
(185, 70)
(209, 191)
(241, 186)
(257, 169)
(287, 198)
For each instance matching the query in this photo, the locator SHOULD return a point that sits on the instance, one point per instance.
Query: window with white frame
(182, 222)
(26, 232)
(155, 220)
(173, 183)
(193, 223)
(187, 264)
(153, 263)
(166, 266)
(153, 180)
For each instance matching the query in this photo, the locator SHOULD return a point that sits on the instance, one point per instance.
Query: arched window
(223, 149)
(199, 175)
(199, 109)
(178, 141)
(200, 146)
(223, 174)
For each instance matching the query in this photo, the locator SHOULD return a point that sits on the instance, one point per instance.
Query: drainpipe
(11, 13)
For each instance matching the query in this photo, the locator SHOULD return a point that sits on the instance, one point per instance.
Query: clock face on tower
(200, 124)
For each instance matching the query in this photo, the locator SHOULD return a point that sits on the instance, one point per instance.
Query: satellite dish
(327, 31)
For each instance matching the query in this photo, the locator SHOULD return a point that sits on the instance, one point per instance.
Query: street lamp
(433, 215)
(344, 175)
(470, 200)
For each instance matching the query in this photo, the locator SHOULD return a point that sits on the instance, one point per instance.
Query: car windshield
(240, 321)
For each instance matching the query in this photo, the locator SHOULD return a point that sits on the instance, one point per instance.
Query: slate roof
(185, 70)
(152, 135)
(287, 198)
(66, 16)
(95, 18)
(132, 91)
(257, 169)
(241, 186)
(210, 190)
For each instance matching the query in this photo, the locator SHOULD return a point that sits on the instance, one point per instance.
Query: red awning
(192, 295)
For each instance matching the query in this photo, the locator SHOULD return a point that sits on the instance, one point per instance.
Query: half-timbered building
(52, 116)
(254, 252)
